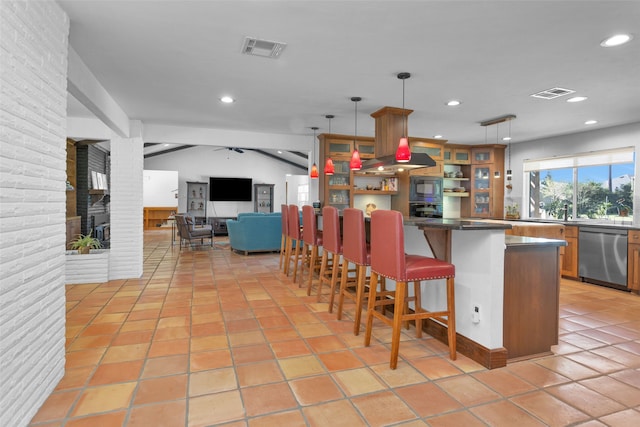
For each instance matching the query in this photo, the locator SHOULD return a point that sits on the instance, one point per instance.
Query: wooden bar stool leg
(418, 307)
(371, 306)
(323, 268)
(334, 280)
(451, 320)
(343, 287)
(312, 267)
(398, 317)
(362, 278)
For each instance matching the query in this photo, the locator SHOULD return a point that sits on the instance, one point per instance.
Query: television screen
(230, 189)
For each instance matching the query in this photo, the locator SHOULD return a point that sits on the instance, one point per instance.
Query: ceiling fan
(236, 149)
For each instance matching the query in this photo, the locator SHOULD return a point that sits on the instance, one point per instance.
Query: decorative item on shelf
(314, 167)
(403, 153)
(355, 164)
(459, 174)
(84, 243)
(370, 207)
(513, 211)
(329, 168)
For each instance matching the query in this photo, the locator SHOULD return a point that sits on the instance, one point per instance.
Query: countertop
(625, 225)
(532, 241)
(455, 224)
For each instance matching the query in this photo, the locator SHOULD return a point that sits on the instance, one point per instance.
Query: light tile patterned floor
(208, 337)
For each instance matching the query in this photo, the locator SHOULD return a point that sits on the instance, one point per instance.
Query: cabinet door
(340, 148)
(366, 149)
(633, 261)
(481, 192)
(197, 199)
(570, 258)
(461, 156)
(481, 156)
(437, 170)
(435, 151)
(338, 186)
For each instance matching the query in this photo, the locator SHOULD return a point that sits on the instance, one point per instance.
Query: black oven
(425, 196)
(425, 210)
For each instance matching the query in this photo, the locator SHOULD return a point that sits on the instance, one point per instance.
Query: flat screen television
(230, 189)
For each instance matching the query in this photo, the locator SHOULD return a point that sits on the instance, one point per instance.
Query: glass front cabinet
(263, 198)
(335, 190)
(197, 201)
(487, 182)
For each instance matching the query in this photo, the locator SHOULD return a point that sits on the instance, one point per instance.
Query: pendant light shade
(329, 169)
(403, 153)
(314, 167)
(355, 164)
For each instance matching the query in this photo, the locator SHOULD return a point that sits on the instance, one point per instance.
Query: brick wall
(33, 69)
(126, 208)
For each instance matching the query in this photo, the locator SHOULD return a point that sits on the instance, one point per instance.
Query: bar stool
(331, 247)
(311, 241)
(295, 239)
(356, 251)
(389, 260)
(285, 232)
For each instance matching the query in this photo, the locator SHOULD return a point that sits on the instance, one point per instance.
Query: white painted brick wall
(127, 164)
(33, 70)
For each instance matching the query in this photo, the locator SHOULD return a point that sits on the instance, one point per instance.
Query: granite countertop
(455, 224)
(625, 225)
(532, 241)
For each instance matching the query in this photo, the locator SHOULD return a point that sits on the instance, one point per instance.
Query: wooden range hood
(390, 123)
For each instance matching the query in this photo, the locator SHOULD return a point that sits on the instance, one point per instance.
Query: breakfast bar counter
(498, 278)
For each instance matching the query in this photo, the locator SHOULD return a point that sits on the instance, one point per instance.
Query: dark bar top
(454, 224)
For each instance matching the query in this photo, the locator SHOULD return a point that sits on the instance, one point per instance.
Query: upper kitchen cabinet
(457, 155)
(335, 190)
(487, 183)
(434, 148)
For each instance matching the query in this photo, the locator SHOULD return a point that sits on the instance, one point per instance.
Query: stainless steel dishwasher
(602, 256)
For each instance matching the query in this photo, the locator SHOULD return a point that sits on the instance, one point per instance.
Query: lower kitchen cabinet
(633, 261)
(570, 257)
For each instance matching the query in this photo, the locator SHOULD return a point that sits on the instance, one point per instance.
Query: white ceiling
(169, 62)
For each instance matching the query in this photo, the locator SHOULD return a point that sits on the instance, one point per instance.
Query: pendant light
(314, 167)
(355, 164)
(509, 173)
(329, 169)
(403, 153)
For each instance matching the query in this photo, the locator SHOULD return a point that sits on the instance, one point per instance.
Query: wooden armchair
(188, 232)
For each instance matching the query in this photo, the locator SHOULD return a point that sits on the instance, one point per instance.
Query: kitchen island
(506, 286)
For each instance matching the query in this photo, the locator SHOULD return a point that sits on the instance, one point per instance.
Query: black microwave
(425, 189)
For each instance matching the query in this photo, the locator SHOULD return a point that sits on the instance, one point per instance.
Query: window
(597, 185)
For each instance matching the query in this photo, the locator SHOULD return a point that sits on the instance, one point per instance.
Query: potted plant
(513, 211)
(623, 209)
(84, 243)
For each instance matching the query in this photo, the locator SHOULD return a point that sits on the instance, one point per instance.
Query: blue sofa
(255, 232)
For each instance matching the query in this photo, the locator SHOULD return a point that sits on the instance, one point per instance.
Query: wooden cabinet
(531, 300)
(157, 216)
(570, 257)
(336, 190)
(434, 149)
(487, 183)
(457, 156)
(197, 200)
(633, 261)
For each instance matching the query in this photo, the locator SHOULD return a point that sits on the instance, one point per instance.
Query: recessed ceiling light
(616, 40)
(166, 145)
(577, 99)
(453, 103)
(590, 122)
(279, 151)
(506, 138)
(437, 136)
(227, 99)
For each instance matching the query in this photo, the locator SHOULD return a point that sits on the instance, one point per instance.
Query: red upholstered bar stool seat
(311, 242)
(388, 259)
(331, 252)
(356, 251)
(285, 234)
(294, 242)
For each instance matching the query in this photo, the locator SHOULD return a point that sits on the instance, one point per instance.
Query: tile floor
(207, 337)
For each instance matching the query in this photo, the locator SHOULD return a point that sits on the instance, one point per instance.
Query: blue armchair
(255, 232)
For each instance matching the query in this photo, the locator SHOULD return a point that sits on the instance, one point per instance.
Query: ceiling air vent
(555, 92)
(264, 48)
